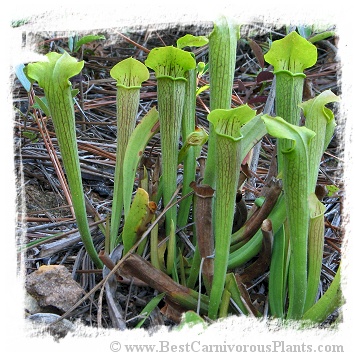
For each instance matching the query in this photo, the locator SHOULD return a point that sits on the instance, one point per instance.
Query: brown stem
(204, 228)
(245, 296)
(260, 266)
(172, 311)
(202, 164)
(241, 212)
(107, 261)
(273, 190)
(137, 267)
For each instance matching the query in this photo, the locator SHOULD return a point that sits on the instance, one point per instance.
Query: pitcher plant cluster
(282, 233)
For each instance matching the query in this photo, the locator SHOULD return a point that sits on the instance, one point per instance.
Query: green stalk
(330, 301)
(278, 274)
(194, 269)
(290, 56)
(232, 287)
(182, 269)
(222, 57)
(224, 305)
(53, 76)
(188, 127)
(171, 255)
(315, 248)
(154, 241)
(321, 36)
(297, 190)
(227, 124)
(245, 252)
(170, 65)
(129, 75)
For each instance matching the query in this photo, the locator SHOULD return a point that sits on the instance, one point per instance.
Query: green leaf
(170, 62)
(152, 304)
(222, 58)
(293, 53)
(202, 89)
(71, 42)
(191, 318)
(252, 132)
(86, 39)
(191, 41)
(136, 220)
(129, 73)
(65, 67)
(232, 287)
(74, 92)
(279, 128)
(304, 31)
(41, 103)
(30, 135)
(321, 36)
(21, 75)
(18, 23)
(246, 252)
(224, 305)
(332, 189)
(320, 119)
(134, 151)
(315, 107)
